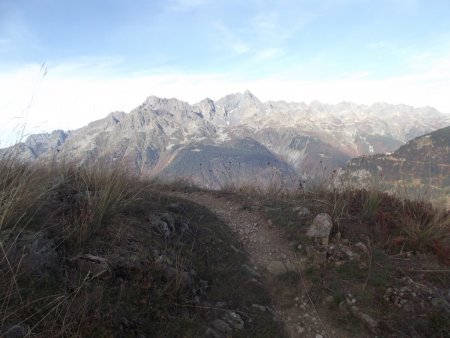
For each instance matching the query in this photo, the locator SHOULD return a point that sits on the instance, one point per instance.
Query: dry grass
(429, 232)
(99, 193)
(76, 203)
(69, 212)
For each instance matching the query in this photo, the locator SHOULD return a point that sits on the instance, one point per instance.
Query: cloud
(70, 96)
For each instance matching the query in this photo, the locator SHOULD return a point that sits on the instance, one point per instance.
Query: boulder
(320, 228)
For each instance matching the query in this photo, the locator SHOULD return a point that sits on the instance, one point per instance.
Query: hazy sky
(64, 63)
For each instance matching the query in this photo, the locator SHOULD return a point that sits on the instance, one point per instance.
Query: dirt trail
(269, 254)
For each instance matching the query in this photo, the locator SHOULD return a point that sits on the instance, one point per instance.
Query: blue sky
(103, 55)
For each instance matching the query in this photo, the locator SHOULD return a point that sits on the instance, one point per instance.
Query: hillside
(89, 252)
(92, 251)
(422, 163)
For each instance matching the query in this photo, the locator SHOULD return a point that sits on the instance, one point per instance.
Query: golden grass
(75, 203)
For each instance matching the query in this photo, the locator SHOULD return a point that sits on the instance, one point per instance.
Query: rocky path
(271, 255)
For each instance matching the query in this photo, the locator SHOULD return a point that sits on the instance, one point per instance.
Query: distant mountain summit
(237, 137)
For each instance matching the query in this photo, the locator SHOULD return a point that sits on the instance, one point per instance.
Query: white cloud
(67, 98)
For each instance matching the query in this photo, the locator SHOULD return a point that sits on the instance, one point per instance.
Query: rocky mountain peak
(152, 101)
(236, 108)
(238, 100)
(206, 108)
(158, 109)
(164, 104)
(249, 95)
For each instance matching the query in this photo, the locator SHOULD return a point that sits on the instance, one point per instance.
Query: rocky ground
(271, 258)
(327, 283)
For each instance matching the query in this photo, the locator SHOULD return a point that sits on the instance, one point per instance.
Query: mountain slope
(229, 164)
(423, 162)
(166, 136)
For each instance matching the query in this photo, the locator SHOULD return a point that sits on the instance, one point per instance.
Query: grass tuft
(425, 233)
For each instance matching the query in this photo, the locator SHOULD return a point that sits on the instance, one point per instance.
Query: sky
(64, 63)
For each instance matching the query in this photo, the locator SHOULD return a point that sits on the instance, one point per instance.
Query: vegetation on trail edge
(389, 258)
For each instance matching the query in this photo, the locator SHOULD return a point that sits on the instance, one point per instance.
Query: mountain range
(237, 137)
